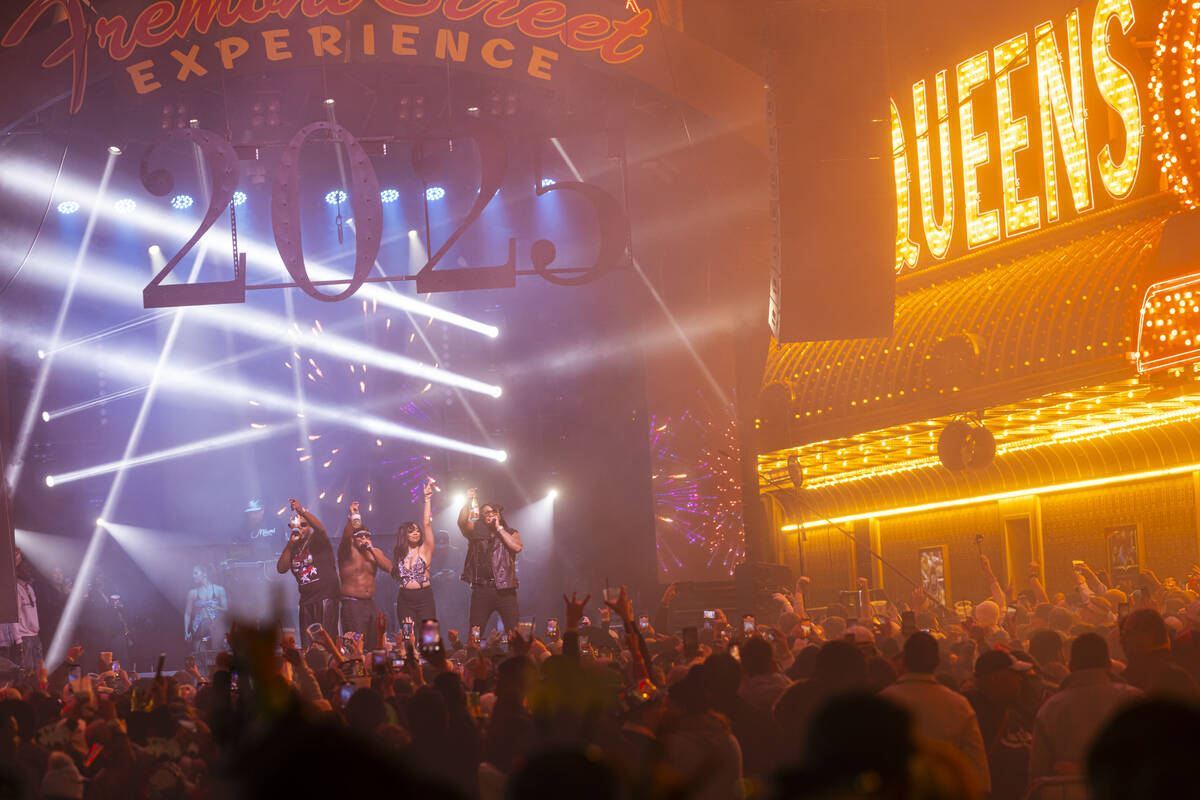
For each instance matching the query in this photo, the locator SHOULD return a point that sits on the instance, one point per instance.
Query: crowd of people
(1095, 687)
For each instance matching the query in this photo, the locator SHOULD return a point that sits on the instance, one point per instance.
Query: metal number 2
(364, 201)
(223, 164)
(493, 163)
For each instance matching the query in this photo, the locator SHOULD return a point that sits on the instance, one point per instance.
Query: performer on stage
(413, 554)
(259, 541)
(358, 560)
(491, 565)
(309, 555)
(204, 616)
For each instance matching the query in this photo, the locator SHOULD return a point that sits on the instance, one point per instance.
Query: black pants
(416, 604)
(359, 614)
(487, 599)
(322, 611)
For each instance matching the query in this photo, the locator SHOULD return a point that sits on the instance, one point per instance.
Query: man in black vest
(491, 564)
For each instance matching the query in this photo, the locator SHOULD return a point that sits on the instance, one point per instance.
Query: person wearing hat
(358, 561)
(62, 779)
(1067, 723)
(261, 542)
(1006, 728)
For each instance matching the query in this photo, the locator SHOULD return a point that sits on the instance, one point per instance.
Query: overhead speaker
(966, 445)
(830, 173)
(795, 471)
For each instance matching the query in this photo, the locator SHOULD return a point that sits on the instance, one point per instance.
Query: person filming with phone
(491, 564)
(358, 561)
(309, 555)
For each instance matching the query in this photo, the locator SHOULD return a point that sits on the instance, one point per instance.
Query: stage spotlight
(548, 182)
(50, 481)
(41, 354)
(114, 150)
(435, 193)
(412, 234)
(182, 201)
(68, 207)
(328, 101)
(239, 198)
(553, 493)
(389, 195)
(459, 500)
(125, 205)
(45, 416)
(502, 456)
(335, 196)
(154, 250)
(100, 521)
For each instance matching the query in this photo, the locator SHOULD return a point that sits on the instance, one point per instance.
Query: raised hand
(470, 495)
(354, 507)
(623, 606)
(575, 609)
(427, 488)
(295, 504)
(517, 645)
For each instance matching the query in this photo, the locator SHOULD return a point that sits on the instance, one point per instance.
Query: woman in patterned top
(411, 559)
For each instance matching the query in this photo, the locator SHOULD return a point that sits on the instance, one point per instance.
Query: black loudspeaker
(755, 582)
(833, 196)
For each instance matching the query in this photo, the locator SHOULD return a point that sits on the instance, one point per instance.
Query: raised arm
(427, 522)
(1035, 580)
(353, 521)
(998, 595)
(312, 520)
(465, 524)
(285, 557)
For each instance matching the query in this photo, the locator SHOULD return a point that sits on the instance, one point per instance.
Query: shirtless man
(358, 561)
